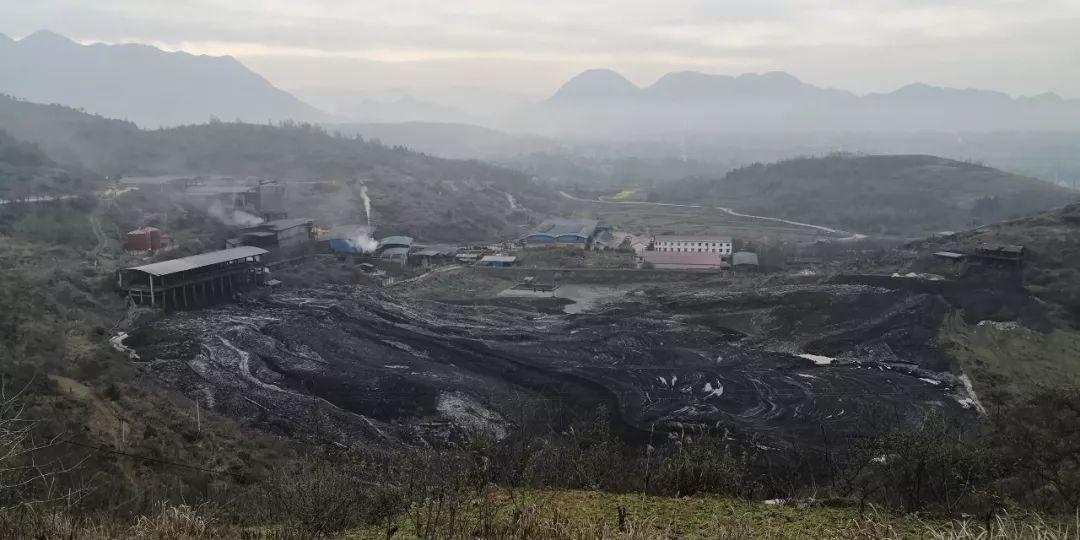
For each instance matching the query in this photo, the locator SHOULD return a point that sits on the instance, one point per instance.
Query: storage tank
(137, 240)
(155, 237)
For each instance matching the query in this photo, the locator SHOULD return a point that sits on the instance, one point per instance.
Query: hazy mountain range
(154, 88)
(603, 103)
(141, 83)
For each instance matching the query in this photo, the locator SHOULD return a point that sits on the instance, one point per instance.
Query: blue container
(340, 245)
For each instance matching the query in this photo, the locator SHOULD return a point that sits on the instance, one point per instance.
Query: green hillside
(903, 195)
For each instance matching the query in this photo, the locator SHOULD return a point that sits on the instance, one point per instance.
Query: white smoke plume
(359, 237)
(363, 240)
(367, 205)
(232, 217)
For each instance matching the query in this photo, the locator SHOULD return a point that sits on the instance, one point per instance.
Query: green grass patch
(1006, 360)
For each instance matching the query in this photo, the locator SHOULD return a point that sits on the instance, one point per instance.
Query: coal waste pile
(354, 365)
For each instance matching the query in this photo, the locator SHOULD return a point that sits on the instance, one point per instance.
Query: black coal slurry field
(355, 365)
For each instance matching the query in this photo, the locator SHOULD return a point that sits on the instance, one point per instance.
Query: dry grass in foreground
(562, 515)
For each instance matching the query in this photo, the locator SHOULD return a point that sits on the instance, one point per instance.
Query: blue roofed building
(563, 232)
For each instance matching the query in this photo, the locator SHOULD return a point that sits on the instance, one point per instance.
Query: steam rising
(363, 240)
(357, 236)
(367, 205)
(234, 217)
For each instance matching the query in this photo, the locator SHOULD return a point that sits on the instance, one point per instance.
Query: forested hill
(25, 171)
(413, 193)
(906, 195)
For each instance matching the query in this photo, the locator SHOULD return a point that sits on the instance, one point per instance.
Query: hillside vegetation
(412, 193)
(904, 195)
(25, 171)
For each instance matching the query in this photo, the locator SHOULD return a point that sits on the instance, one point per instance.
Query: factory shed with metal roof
(201, 260)
(195, 280)
(395, 241)
(562, 232)
(744, 258)
(498, 261)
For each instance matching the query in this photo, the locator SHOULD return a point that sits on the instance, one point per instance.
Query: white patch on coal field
(931, 381)
(243, 366)
(713, 391)
(467, 412)
(395, 366)
(117, 343)
(401, 346)
(817, 358)
(582, 295)
(513, 203)
(1004, 326)
(970, 400)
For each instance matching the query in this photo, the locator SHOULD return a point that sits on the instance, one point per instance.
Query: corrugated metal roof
(498, 258)
(675, 238)
(164, 268)
(744, 257)
(566, 227)
(429, 253)
(390, 240)
(949, 255)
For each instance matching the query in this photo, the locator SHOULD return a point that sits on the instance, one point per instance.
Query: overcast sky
(1020, 47)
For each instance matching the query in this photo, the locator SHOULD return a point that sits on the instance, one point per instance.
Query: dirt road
(822, 228)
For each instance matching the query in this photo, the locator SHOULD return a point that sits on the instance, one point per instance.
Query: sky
(530, 47)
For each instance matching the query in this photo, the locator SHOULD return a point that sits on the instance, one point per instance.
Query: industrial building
(693, 244)
(675, 260)
(1000, 257)
(563, 232)
(745, 261)
(192, 281)
(394, 242)
(498, 261)
(281, 234)
(163, 183)
(424, 256)
(265, 200)
(143, 240)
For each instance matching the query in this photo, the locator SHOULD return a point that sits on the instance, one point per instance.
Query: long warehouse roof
(173, 266)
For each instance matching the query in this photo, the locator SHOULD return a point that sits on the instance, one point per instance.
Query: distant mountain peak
(143, 83)
(46, 37)
(1046, 97)
(776, 76)
(596, 83)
